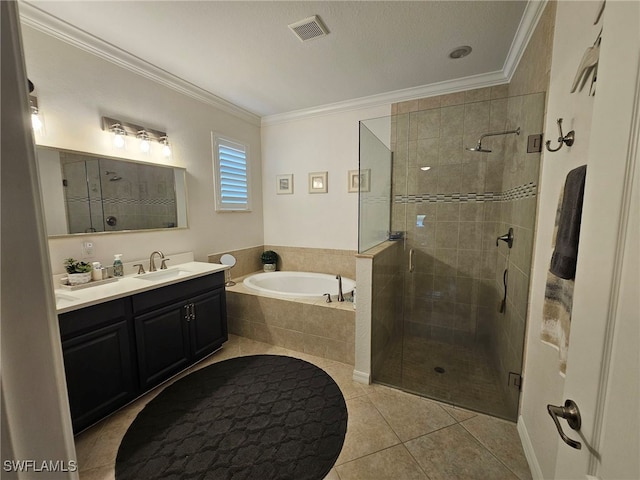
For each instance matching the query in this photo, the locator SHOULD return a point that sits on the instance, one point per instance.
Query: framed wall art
(284, 184)
(359, 181)
(318, 182)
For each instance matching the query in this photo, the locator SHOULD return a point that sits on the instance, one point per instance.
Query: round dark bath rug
(256, 418)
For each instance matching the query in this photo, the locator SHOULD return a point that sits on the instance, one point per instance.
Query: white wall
(34, 409)
(543, 384)
(76, 88)
(326, 143)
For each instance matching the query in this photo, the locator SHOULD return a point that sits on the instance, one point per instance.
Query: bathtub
(297, 284)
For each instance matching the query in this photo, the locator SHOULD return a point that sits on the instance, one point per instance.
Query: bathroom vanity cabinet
(99, 360)
(116, 351)
(174, 328)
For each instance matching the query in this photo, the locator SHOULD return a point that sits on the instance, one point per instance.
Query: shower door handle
(411, 260)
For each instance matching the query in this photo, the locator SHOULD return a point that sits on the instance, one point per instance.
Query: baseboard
(361, 377)
(527, 446)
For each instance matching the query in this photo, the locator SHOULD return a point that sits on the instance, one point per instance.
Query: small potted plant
(269, 259)
(78, 272)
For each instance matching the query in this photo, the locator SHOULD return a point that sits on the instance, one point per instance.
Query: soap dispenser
(118, 270)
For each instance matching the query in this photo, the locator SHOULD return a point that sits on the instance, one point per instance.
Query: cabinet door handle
(193, 312)
(187, 315)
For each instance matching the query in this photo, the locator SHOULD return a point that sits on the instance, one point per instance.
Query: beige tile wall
(534, 68)
(457, 262)
(247, 260)
(318, 260)
(324, 330)
(293, 259)
(387, 308)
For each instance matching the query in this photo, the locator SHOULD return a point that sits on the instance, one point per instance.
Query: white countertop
(68, 300)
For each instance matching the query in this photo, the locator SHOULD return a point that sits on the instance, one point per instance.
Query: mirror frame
(128, 160)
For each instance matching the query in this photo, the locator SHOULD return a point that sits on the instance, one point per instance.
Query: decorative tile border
(123, 201)
(515, 193)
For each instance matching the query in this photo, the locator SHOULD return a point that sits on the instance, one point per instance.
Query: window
(231, 174)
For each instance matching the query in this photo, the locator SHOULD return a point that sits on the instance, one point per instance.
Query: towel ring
(567, 139)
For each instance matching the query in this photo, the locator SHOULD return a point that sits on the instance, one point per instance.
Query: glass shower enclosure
(456, 334)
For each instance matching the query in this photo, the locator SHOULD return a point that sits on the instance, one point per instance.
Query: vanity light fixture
(118, 135)
(145, 135)
(145, 146)
(166, 148)
(36, 121)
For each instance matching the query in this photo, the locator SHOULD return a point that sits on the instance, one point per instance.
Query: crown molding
(54, 27)
(530, 17)
(414, 93)
(528, 23)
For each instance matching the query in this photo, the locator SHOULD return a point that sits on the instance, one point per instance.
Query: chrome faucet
(152, 263)
(340, 296)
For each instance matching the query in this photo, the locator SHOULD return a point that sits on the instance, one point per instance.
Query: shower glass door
(455, 345)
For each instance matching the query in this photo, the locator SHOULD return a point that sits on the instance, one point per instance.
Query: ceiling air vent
(309, 28)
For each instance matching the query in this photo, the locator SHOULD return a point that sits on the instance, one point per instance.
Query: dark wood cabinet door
(162, 341)
(209, 323)
(100, 373)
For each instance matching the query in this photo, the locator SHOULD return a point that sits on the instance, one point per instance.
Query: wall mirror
(87, 193)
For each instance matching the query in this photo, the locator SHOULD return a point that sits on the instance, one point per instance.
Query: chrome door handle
(411, 260)
(571, 414)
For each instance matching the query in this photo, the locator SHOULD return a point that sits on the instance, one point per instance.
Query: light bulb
(118, 135)
(166, 148)
(118, 140)
(36, 123)
(145, 146)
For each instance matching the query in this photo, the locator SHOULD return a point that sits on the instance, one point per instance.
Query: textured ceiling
(244, 52)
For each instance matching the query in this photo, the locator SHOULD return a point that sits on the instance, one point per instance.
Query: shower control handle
(507, 237)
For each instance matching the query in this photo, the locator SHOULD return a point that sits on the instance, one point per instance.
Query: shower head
(478, 147)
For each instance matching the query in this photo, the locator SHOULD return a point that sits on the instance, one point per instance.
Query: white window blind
(232, 175)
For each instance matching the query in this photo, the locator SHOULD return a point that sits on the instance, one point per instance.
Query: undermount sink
(167, 274)
(61, 298)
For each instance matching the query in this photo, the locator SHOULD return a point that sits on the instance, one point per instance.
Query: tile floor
(470, 379)
(390, 434)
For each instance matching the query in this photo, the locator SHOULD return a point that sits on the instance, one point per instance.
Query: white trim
(54, 27)
(217, 139)
(528, 23)
(50, 25)
(361, 377)
(529, 452)
(381, 99)
(632, 157)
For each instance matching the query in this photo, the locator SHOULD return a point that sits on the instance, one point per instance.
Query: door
(162, 338)
(602, 368)
(99, 373)
(208, 327)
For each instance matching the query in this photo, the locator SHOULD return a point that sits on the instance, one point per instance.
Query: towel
(556, 316)
(558, 295)
(565, 254)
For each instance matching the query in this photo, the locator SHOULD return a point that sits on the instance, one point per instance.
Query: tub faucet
(152, 263)
(340, 296)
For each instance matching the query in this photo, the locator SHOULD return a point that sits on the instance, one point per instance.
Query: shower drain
(439, 369)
